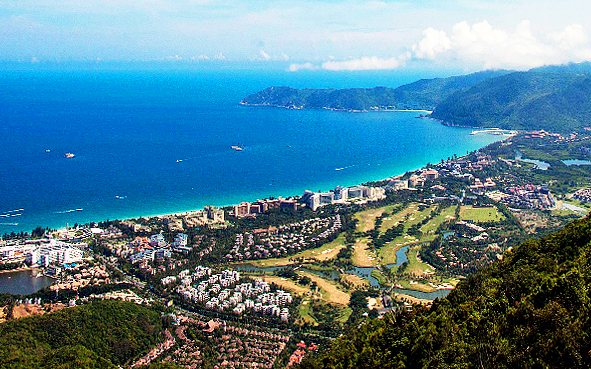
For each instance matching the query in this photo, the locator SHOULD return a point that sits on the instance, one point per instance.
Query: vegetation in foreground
(103, 334)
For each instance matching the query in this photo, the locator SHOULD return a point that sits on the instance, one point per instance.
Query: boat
(237, 148)
(69, 155)
(47, 150)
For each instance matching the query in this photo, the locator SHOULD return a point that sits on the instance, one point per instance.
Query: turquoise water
(154, 142)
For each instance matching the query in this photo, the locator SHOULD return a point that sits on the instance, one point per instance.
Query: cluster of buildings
(77, 276)
(528, 197)
(541, 134)
(583, 195)
(146, 249)
(284, 240)
(480, 185)
(210, 215)
(223, 292)
(167, 344)
(247, 209)
(249, 347)
(417, 179)
(469, 169)
(300, 352)
(343, 195)
(42, 252)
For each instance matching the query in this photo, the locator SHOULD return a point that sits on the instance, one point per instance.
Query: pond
(542, 165)
(23, 282)
(422, 295)
(576, 162)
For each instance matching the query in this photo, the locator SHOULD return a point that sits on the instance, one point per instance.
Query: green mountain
(103, 334)
(423, 94)
(554, 98)
(584, 67)
(522, 100)
(532, 309)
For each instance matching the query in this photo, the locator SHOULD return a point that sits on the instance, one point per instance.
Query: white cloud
(284, 56)
(572, 36)
(433, 42)
(219, 56)
(483, 45)
(294, 67)
(203, 57)
(264, 55)
(364, 63)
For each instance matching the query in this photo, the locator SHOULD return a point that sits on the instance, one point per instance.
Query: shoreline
(336, 109)
(22, 269)
(232, 202)
(178, 213)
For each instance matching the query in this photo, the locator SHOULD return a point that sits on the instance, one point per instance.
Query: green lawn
(415, 267)
(417, 286)
(305, 311)
(392, 220)
(377, 274)
(488, 214)
(367, 218)
(445, 215)
(344, 315)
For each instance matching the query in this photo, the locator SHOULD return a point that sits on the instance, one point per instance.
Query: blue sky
(300, 35)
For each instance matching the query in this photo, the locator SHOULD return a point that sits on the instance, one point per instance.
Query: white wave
(12, 211)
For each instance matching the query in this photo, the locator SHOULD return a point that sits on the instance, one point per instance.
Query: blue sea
(155, 142)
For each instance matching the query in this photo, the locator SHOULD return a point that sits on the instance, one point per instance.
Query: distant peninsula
(555, 99)
(424, 94)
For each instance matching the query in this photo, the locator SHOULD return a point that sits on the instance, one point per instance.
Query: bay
(154, 142)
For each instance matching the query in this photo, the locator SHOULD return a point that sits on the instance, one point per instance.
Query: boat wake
(9, 224)
(68, 211)
(10, 215)
(201, 157)
(343, 168)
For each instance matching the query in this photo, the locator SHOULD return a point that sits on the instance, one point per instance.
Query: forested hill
(532, 309)
(104, 334)
(423, 94)
(558, 102)
(554, 98)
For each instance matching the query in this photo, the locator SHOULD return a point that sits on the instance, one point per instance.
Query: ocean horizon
(158, 142)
